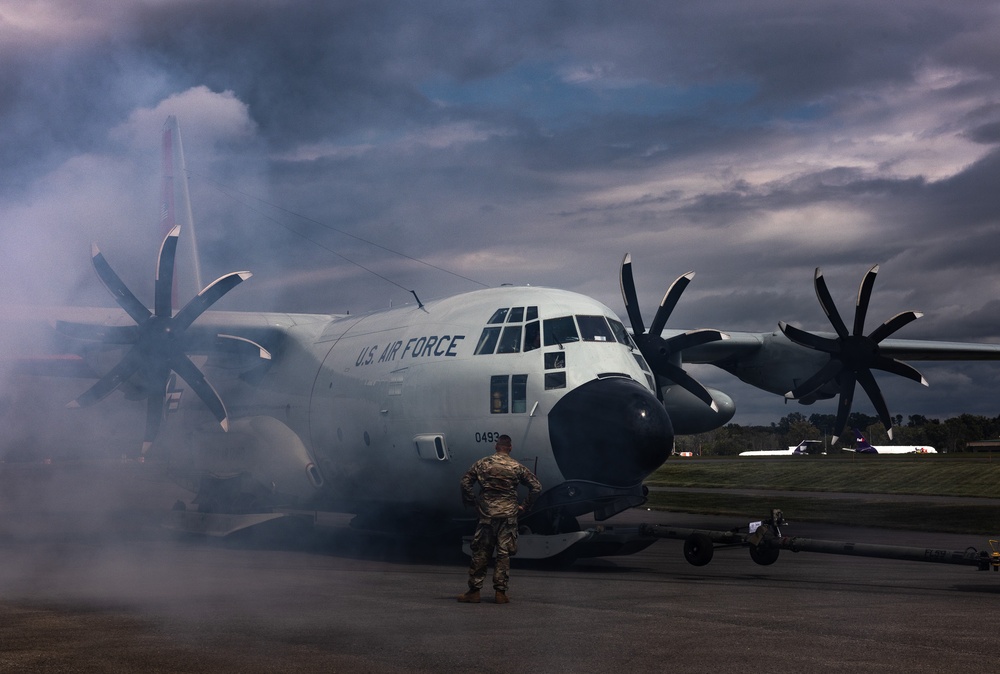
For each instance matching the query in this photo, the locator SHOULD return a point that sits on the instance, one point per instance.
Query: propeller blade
(680, 377)
(668, 302)
(844, 405)
(627, 284)
(829, 308)
(190, 373)
(899, 367)
(242, 343)
(108, 334)
(826, 373)
(207, 297)
(894, 324)
(660, 353)
(864, 297)
(115, 377)
(870, 386)
(154, 411)
(123, 296)
(164, 285)
(809, 340)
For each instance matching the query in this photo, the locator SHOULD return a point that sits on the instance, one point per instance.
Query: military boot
(502, 597)
(470, 597)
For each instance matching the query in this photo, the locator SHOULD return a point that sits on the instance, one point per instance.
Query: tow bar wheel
(698, 549)
(764, 555)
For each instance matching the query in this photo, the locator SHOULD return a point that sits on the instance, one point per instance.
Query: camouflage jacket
(498, 476)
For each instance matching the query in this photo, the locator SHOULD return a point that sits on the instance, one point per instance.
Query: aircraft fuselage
(392, 407)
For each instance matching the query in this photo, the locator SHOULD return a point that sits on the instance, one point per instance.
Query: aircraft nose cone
(610, 431)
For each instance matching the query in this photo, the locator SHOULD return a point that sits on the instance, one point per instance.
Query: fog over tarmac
(349, 152)
(523, 143)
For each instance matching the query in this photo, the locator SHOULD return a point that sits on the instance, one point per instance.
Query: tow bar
(765, 541)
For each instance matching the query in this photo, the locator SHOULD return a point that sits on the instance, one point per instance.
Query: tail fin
(175, 184)
(863, 445)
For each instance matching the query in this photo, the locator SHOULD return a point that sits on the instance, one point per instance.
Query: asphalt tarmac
(131, 598)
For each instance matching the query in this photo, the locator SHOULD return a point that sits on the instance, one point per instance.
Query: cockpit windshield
(595, 329)
(560, 331)
(509, 338)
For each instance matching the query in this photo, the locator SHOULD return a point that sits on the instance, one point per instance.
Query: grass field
(869, 477)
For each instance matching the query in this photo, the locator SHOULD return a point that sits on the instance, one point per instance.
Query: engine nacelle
(689, 415)
(260, 450)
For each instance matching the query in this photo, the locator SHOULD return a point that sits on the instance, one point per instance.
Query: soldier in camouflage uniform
(498, 476)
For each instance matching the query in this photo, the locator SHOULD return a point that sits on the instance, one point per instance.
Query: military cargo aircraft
(380, 414)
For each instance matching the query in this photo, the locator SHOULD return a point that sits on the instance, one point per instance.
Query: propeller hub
(858, 351)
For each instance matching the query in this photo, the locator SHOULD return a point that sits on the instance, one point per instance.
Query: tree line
(948, 435)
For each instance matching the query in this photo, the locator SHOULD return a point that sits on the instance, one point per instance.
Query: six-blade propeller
(661, 353)
(853, 355)
(157, 340)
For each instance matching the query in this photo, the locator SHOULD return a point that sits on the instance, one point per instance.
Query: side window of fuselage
(499, 394)
(509, 393)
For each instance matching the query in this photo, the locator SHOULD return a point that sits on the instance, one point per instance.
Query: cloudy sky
(532, 142)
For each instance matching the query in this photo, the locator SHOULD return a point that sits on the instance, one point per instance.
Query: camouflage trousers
(499, 533)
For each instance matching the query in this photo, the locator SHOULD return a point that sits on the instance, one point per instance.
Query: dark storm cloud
(518, 142)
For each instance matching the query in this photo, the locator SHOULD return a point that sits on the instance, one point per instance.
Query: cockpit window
(595, 329)
(510, 341)
(498, 316)
(620, 334)
(487, 341)
(532, 336)
(560, 331)
(532, 314)
(516, 315)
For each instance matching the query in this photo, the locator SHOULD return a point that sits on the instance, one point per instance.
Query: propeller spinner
(658, 351)
(157, 339)
(853, 355)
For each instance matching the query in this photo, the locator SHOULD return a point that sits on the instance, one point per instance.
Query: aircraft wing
(738, 345)
(47, 346)
(911, 349)
(747, 344)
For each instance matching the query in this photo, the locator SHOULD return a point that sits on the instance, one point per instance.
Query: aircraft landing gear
(550, 523)
(234, 496)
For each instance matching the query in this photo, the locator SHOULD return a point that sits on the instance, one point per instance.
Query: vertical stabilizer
(863, 446)
(175, 207)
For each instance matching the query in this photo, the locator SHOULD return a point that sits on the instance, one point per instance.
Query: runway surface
(82, 599)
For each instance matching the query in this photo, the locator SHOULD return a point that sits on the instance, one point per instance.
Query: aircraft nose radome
(610, 431)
